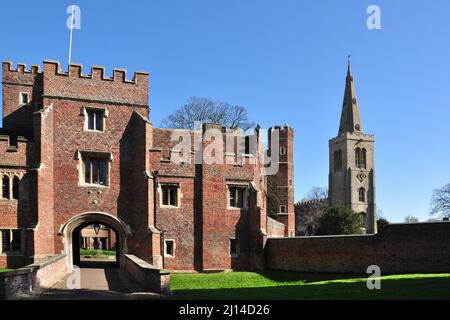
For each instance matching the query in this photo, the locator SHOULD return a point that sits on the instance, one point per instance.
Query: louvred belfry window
(362, 195)
(360, 158)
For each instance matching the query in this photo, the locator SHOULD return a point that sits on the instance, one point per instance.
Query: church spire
(350, 121)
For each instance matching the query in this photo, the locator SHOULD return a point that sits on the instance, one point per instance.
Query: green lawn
(6, 270)
(97, 252)
(294, 285)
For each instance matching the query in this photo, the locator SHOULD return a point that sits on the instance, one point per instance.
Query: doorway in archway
(95, 245)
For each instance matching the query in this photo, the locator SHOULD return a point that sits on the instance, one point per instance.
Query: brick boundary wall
(32, 278)
(399, 248)
(275, 228)
(149, 277)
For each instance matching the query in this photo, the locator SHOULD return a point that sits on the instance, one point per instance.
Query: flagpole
(71, 29)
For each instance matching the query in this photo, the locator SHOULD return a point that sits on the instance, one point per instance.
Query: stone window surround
(234, 255)
(84, 113)
(360, 158)
(283, 206)
(22, 242)
(362, 195)
(173, 248)
(246, 194)
(21, 93)
(282, 151)
(79, 156)
(179, 195)
(11, 176)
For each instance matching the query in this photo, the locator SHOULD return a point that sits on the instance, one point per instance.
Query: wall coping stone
(145, 265)
(32, 267)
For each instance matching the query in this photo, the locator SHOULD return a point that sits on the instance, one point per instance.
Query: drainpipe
(155, 197)
(155, 186)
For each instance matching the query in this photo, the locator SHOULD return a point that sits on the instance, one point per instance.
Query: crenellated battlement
(76, 70)
(96, 86)
(97, 73)
(352, 136)
(12, 140)
(282, 129)
(22, 93)
(13, 150)
(284, 133)
(310, 202)
(21, 75)
(21, 68)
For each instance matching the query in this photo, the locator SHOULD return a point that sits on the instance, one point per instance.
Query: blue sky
(286, 62)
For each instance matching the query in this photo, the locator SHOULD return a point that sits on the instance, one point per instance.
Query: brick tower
(281, 185)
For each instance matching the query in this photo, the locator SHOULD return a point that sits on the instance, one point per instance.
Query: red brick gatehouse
(79, 149)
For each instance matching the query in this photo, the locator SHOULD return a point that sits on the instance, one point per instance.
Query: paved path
(96, 283)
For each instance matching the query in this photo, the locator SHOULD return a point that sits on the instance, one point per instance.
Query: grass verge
(295, 285)
(6, 270)
(97, 252)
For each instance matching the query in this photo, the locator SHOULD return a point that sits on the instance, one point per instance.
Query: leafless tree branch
(440, 201)
(317, 193)
(205, 110)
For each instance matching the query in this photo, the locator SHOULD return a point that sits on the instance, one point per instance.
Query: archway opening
(72, 232)
(95, 245)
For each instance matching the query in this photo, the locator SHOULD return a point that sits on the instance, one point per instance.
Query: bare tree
(440, 201)
(380, 214)
(411, 219)
(205, 110)
(316, 193)
(382, 223)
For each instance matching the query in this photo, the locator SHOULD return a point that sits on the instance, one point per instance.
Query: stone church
(351, 170)
(79, 149)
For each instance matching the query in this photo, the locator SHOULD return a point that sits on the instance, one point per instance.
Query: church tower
(352, 167)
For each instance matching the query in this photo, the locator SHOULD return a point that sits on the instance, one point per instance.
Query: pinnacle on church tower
(350, 121)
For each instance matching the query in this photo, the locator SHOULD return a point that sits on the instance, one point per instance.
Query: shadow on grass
(420, 288)
(284, 276)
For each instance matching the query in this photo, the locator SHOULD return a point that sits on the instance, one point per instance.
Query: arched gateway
(70, 229)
